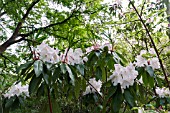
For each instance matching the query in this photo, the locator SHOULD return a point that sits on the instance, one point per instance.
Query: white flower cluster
(162, 92)
(17, 89)
(48, 54)
(72, 57)
(96, 86)
(141, 61)
(124, 76)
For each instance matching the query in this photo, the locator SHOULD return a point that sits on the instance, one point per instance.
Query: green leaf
(77, 88)
(150, 71)
(122, 57)
(104, 77)
(117, 101)
(129, 98)
(46, 78)
(151, 81)
(48, 65)
(10, 102)
(34, 84)
(56, 74)
(21, 101)
(63, 68)
(38, 67)
(145, 78)
(70, 74)
(29, 75)
(98, 73)
(40, 90)
(111, 91)
(80, 68)
(24, 66)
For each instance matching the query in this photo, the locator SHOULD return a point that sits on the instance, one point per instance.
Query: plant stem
(49, 100)
(151, 39)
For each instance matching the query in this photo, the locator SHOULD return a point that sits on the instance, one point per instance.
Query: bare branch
(8, 59)
(11, 40)
(49, 26)
(152, 42)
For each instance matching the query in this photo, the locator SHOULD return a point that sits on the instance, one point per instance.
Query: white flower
(116, 78)
(48, 54)
(17, 90)
(89, 49)
(96, 85)
(162, 92)
(143, 52)
(118, 68)
(72, 57)
(118, 2)
(140, 61)
(124, 76)
(154, 62)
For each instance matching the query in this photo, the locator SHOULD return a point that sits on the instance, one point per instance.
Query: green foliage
(82, 24)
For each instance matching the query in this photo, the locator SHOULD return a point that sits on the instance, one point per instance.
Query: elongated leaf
(98, 73)
(151, 81)
(104, 74)
(38, 67)
(21, 101)
(46, 78)
(80, 68)
(111, 91)
(24, 66)
(122, 57)
(77, 88)
(29, 75)
(70, 74)
(63, 68)
(145, 78)
(10, 102)
(150, 71)
(117, 101)
(34, 84)
(40, 90)
(129, 98)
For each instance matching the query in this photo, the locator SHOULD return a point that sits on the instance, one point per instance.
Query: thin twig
(8, 59)
(49, 100)
(142, 7)
(154, 46)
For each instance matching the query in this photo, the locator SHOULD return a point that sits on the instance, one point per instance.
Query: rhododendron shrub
(103, 77)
